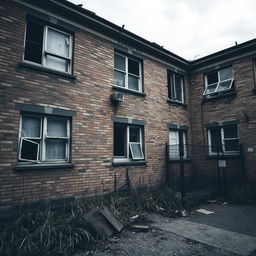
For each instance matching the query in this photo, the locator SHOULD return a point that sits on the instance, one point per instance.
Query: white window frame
(177, 131)
(223, 139)
(45, 52)
(231, 80)
(126, 73)
(128, 145)
(172, 76)
(43, 138)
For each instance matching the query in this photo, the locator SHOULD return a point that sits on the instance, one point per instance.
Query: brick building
(82, 100)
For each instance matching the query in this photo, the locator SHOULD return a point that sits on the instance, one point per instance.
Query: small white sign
(250, 149)
(222, 163)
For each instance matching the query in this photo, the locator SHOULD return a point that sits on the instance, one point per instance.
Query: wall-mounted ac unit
(117, 97)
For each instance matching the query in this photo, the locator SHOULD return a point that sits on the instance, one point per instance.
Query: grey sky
(188, 28)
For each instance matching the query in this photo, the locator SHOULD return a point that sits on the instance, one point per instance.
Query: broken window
(218, 81)
(177, 144)
(175, 87)
(127, 72)
(223, 140)
(44, 138)
(128, 142)
(48, 46)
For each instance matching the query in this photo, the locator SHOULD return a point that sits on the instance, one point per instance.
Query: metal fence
(199, 166)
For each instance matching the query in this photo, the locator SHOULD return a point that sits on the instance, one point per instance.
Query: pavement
(230, 230)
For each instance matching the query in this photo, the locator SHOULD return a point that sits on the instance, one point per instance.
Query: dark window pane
(178, 87)
(230, 132)
(216, 145)
(34, 42)
(119, 140)
(134, 134)
(171, 91)
(212, 78)
(119, 62)
(231, 145)
(29, 150)
(133, 67)
(133, 83)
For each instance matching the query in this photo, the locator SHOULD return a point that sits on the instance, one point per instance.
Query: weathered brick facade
(87, 92)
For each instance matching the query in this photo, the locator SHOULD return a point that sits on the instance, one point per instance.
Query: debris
(211, 201)
(224, 203)
(103, 221)
(134, 217)
(183, 213)
(204, 211)
(140, 227)
(112, 219)
(159, 208)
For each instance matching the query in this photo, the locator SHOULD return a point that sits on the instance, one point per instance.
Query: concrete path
(230, 228)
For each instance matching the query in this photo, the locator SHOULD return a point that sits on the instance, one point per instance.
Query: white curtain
(31, 127)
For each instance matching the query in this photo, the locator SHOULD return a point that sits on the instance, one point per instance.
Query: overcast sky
(188, 28)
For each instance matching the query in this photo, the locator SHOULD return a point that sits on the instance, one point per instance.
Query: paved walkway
(230, 228)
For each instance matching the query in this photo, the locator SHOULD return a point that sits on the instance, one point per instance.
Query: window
(175, 87)
(128, 142)
(47, 46)
(218, 81)
(177, 144)
(44, 138)
(223, 140)
(128, 73)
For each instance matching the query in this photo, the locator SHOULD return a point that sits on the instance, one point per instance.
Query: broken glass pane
(58, 43)
(133, 67)
(55, 149)
(56, 127)
(119, 62)
(31, 127)
(133, 83)
(119, 78)
(29, 150)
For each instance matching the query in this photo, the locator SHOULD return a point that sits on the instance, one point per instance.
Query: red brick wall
(92, 128)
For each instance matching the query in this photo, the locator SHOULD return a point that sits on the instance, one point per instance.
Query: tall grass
(64, 230)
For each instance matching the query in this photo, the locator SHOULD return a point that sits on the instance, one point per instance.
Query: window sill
(177, 103)
(128, 163)
(142, 94)
(47, 70)
(178, 160)
(48, 166)
(230, 94)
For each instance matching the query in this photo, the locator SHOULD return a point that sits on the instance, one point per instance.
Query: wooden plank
(112, 219)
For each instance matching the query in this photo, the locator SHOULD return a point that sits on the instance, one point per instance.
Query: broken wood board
(112, 219)
(141, 227)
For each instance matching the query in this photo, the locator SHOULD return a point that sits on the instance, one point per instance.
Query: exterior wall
(226, 109)
(92, 128)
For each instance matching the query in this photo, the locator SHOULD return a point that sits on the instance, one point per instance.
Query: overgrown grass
(64, 230)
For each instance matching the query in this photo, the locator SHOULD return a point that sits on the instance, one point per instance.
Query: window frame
(45, 52)
(173, 75)
(127, 144)
(43, 139)
(126, 73)
(216, 92)
(223, 139)
(182, 133)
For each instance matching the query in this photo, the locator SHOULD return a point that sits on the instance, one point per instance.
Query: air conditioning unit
(117, 97)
